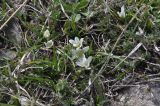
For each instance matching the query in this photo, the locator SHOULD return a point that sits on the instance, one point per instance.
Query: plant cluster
(76, 52)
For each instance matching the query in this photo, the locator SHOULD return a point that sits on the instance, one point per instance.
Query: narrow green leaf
(82, 4)
(2, 104)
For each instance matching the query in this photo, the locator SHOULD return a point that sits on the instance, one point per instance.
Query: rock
(8, 54)
(13, 32)
(144, 95)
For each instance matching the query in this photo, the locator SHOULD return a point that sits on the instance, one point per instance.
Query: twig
(133, 51)
(64, 11)
(150, 80)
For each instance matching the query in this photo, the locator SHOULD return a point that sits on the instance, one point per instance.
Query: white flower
(76, 53)
(122, 14)
(84, 62)
(46, 34)
(140, 31)
(24, 101)
(49, 44)
(76, 42)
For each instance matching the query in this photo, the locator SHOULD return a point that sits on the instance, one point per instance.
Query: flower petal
(85, 49)
(81, 61)
(81, 41)
(89, 59)
(46, 34)
(71, 41)
(76, 39)
(122, 12)
(140, 30)
(49, 44)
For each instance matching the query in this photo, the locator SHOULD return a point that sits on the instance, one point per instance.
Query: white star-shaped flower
(76, 53)
(76, 42)
(122, 14)
(84, 62)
